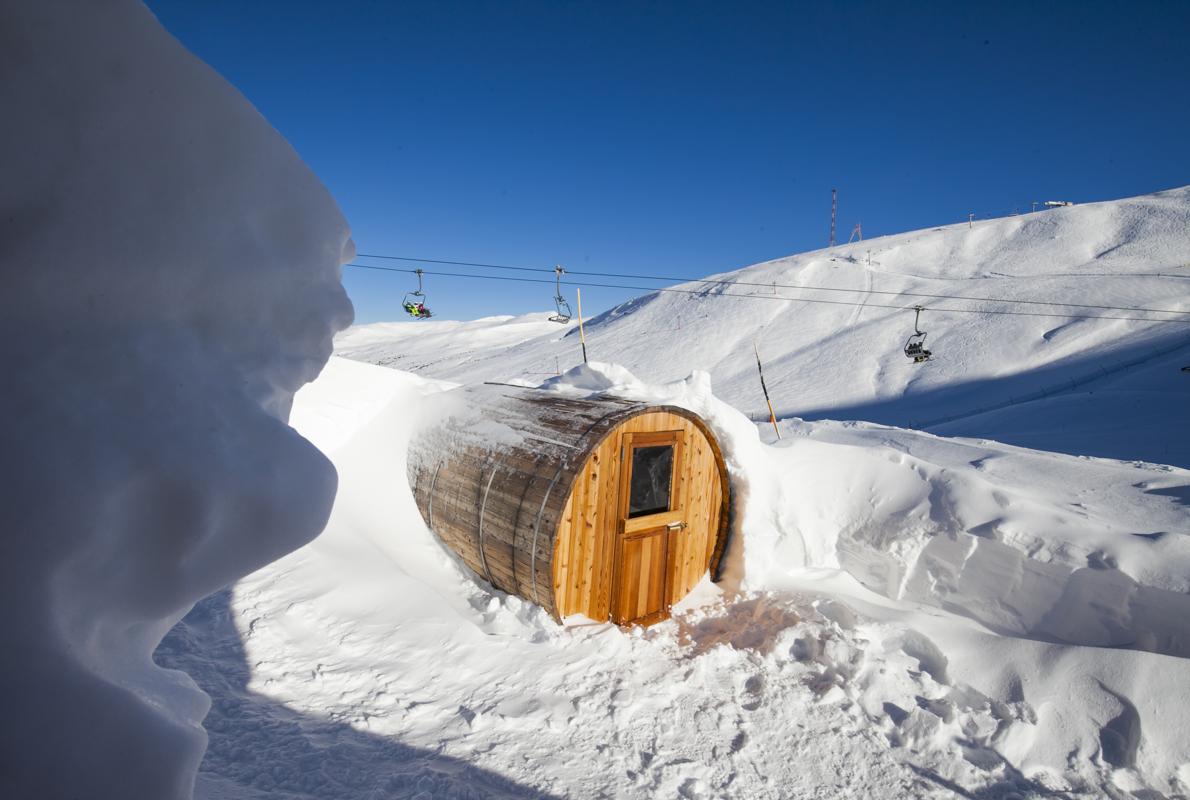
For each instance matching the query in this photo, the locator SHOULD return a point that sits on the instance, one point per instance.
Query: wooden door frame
(640, 526)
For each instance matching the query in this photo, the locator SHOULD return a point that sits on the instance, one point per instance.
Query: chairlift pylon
(915, 345)
(415, 301)
(563, 308)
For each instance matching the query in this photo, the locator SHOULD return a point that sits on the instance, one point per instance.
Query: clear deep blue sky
(692, 138)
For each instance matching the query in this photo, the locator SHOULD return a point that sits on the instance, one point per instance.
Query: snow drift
(171, 277)
(381, 665)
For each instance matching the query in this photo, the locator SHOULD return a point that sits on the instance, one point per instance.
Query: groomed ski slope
(371, 664)
(1105, 387)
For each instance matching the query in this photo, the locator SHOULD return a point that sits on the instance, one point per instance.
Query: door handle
(676, 526)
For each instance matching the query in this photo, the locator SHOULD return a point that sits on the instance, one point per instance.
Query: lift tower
(834, 213)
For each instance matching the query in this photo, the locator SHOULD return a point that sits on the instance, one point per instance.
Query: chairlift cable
(805, 287)
(705, 293)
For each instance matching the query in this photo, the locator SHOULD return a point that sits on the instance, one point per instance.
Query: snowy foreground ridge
(903, 616)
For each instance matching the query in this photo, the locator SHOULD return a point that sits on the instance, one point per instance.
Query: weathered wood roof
(518, 420)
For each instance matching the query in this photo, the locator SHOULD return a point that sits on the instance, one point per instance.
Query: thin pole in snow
(765, 389)
(582, 337)
(971, 220)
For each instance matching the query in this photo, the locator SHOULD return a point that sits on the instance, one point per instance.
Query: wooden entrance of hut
(603, 507)
(651, 514)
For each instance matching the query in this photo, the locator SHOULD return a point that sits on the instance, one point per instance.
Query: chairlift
(415, 302)
(915, 345)
(563, 308)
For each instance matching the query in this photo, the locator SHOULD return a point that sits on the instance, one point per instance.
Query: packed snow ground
(1104, 387)
(372, 664)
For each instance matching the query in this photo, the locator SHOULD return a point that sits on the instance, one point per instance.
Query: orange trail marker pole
(582, 337)
(765, 389)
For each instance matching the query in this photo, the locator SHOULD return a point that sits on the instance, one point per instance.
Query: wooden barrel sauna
(605, 507)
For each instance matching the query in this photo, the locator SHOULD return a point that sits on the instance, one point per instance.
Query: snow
(902, 614)
(413, 346)
(171, 277)
(380, 666)
(1107, 387)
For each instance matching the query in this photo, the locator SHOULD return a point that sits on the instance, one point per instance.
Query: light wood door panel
(587, 560)
(640, 595)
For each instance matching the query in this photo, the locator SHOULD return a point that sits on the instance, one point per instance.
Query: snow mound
(171, 277)
(1030, 544)
(1034, 544)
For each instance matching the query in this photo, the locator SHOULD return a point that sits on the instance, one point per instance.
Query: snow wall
(171, 277)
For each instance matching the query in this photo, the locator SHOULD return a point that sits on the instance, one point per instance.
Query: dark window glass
(652, 473)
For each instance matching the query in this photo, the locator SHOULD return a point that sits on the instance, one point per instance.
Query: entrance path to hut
(764, 697)
(768, 695)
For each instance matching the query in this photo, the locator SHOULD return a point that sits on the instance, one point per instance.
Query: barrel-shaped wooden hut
(607, 507)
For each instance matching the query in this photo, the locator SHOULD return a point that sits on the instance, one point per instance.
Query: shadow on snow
(263, 748)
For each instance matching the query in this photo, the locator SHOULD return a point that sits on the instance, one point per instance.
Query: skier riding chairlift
(414, 302)
(915, 345)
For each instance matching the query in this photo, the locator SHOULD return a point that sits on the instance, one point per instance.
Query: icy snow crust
(171, 277)
(372, 663)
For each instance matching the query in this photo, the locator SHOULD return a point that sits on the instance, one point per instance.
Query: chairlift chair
(415, 302)
(915, 345)
(560, 304)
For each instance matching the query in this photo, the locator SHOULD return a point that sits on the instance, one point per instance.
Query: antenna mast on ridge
(834, 213)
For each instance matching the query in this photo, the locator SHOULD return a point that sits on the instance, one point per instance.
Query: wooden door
(641, 595)
(651, 512)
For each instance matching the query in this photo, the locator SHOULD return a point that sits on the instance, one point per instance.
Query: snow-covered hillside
(1106, 387)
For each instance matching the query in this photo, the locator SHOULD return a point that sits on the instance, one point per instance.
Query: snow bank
(1031, 544)
(1035, 544)
(381, 667)
(171, 277)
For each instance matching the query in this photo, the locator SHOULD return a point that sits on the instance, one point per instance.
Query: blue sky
(692, 138)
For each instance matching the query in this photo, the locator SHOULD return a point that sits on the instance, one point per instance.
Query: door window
(652, 479)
